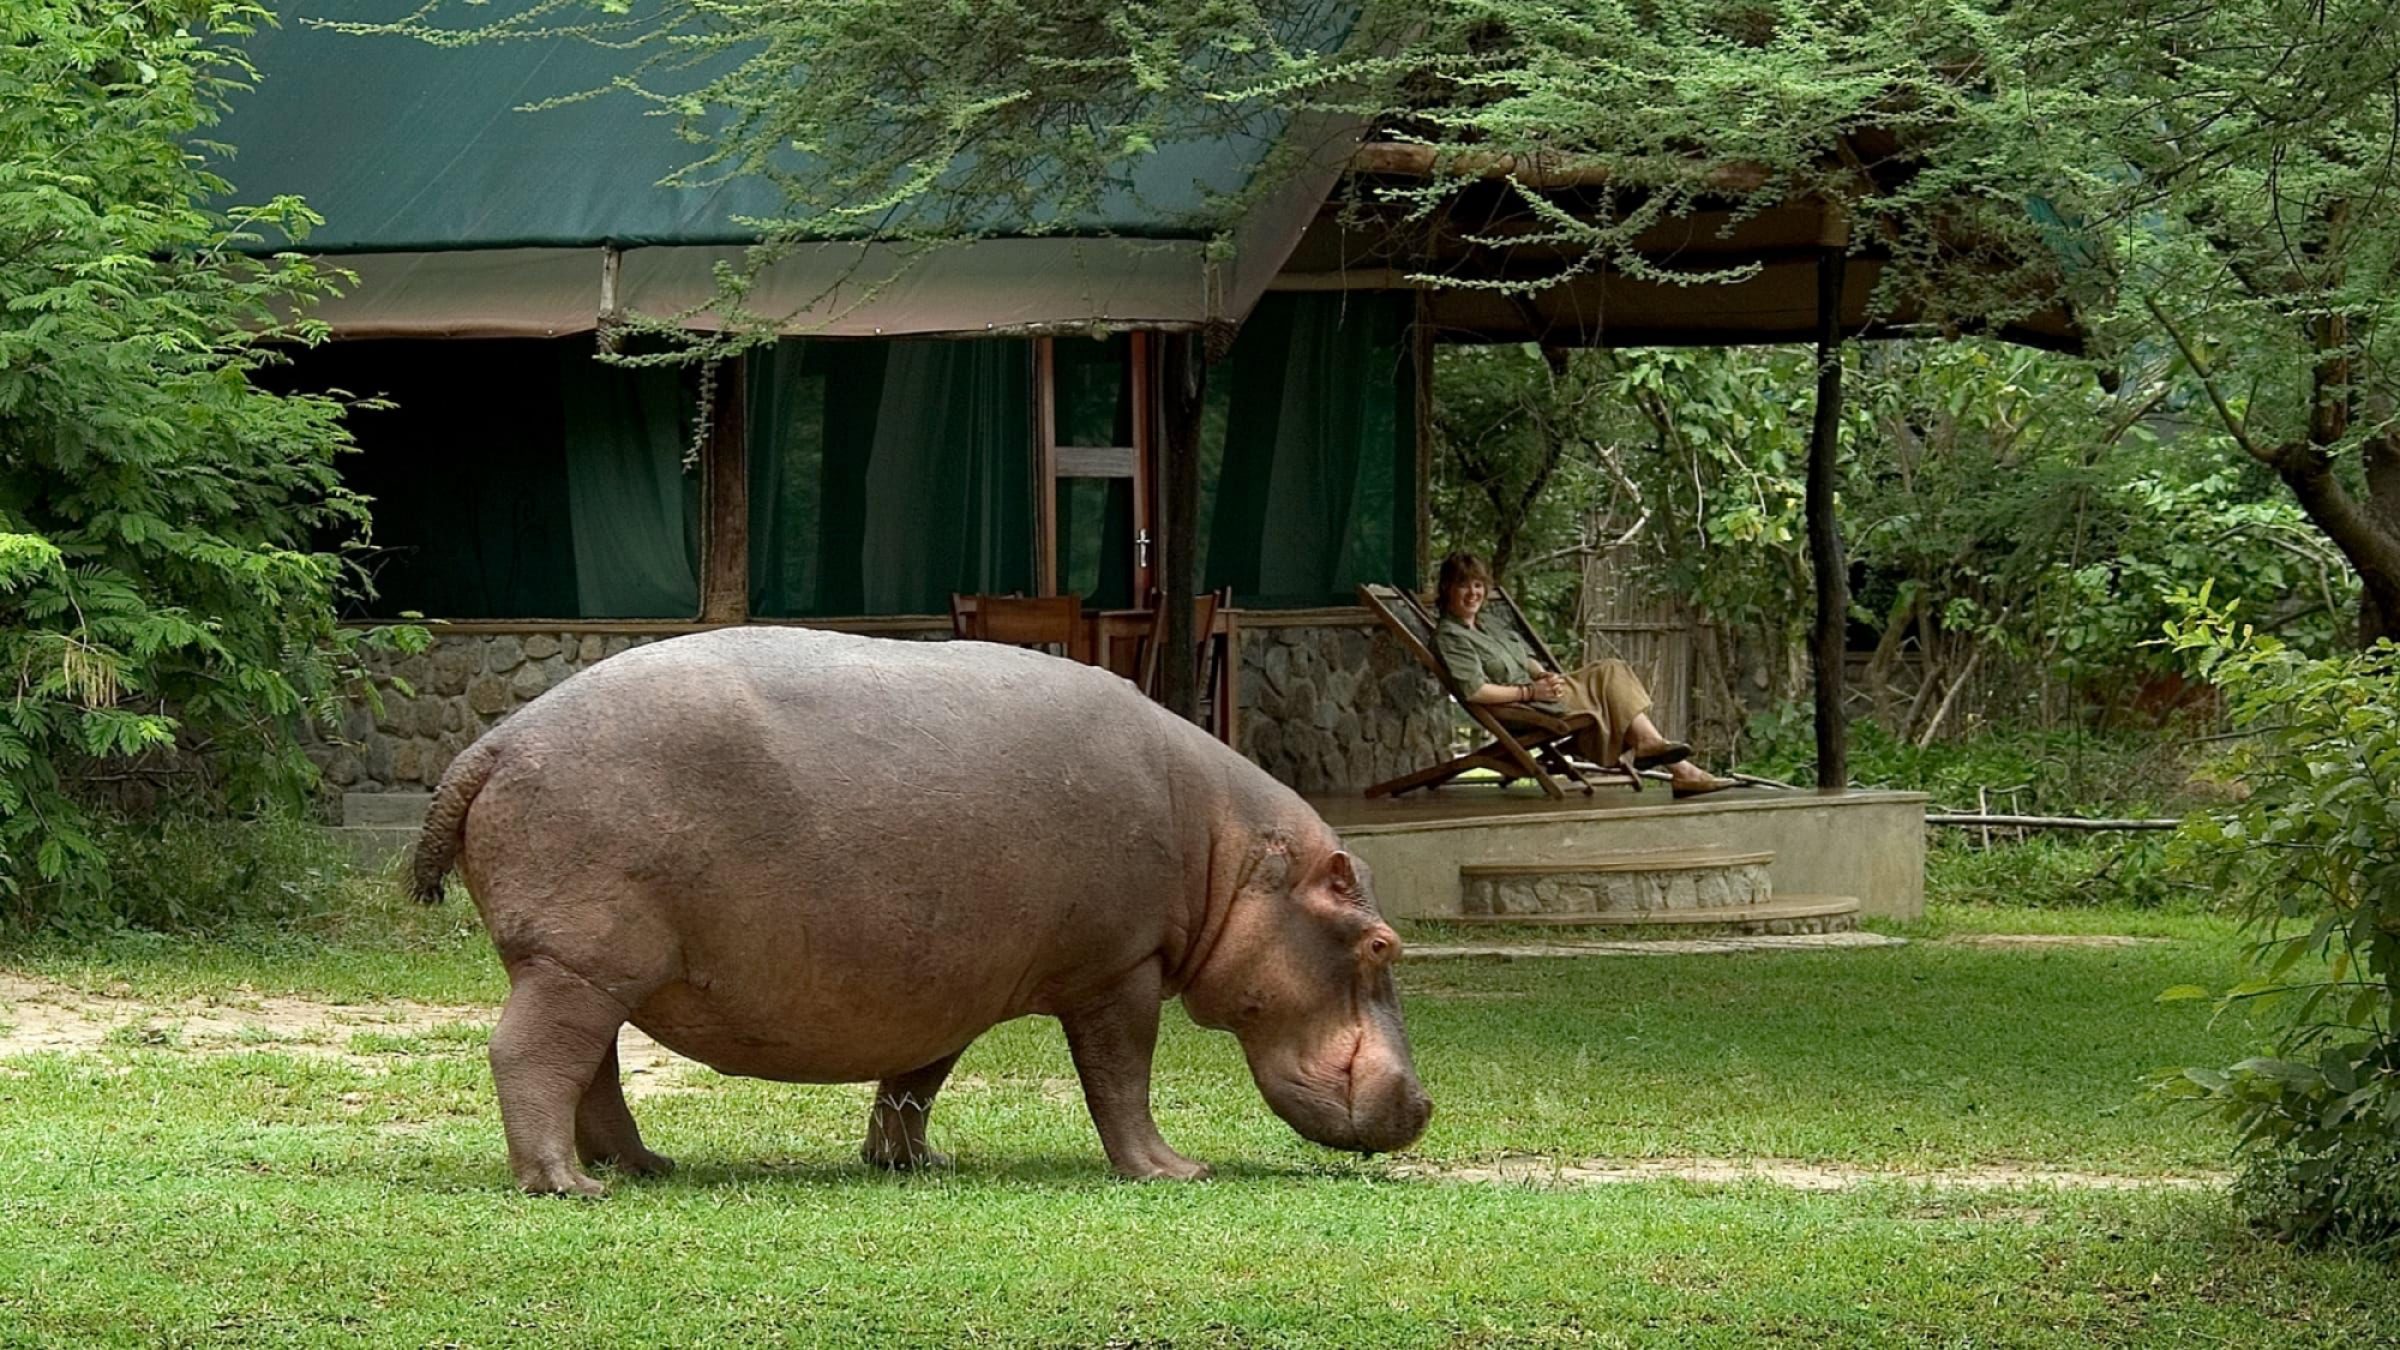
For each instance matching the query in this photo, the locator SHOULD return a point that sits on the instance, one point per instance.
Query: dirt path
(38, 1016)
(1535, 1170)
(1717, 946)
(2038, 940)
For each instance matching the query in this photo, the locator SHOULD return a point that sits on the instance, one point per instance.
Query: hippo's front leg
(1112, 1038)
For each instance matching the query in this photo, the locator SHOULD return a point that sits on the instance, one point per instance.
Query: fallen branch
(2048, 822)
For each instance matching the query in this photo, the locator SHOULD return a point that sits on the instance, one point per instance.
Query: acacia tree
(2236, 167)
(163, 591)
(891, 119)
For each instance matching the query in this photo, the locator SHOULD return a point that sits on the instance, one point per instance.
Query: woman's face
(1466, 599)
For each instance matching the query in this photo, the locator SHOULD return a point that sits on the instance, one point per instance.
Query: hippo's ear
(1343, 875)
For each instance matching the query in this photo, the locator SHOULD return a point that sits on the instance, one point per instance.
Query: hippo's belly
(789, 1041)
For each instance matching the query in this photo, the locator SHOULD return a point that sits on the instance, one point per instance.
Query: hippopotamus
(820, 858)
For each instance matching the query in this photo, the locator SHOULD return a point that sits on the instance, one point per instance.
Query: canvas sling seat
(1526, 742)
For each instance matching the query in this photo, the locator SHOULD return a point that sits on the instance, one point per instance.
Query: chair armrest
(1519, 715)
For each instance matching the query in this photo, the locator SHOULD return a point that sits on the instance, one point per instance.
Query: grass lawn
(354, 1187)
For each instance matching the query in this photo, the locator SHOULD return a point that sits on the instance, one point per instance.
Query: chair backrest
(1499, 604)
(1018, 620)
(1406, 616)
(1204, 622)
(1413, 624)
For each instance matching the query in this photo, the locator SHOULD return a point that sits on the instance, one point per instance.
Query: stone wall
(463, 685)
(1334, 708)
(1323, 708)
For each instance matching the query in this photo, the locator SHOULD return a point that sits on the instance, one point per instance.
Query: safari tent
(986, 418)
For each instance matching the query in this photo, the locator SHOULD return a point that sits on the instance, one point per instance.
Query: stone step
(1790, 915)
(1616, 883)
(385, 809)
(1657, 860)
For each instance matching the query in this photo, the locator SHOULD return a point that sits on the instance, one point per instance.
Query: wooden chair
(1527, 743)
(1206, 651)
(1044, 621)
(1500, 608)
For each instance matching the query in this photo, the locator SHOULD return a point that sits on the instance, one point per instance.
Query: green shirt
(1477, 657)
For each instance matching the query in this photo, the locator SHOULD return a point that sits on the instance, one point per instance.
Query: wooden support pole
(1828, 642)
(725, 501)
(1182, 381)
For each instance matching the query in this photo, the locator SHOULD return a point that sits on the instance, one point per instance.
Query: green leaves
(2312, 850)
(166, 589)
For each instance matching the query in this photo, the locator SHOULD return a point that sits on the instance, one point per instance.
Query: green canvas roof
(412, 151)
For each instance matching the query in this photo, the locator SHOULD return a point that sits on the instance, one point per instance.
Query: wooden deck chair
(1500, 607)
(1529, 744)
(1044, 621)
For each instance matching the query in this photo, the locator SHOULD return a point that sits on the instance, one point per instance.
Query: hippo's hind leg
(554, 1032)
(1112, 1038)
(896, 1127)
(604, 1128)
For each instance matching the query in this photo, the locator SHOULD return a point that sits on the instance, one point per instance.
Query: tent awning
(466, 212)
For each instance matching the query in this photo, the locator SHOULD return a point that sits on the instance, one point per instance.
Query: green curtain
(1309, 458)
(886, 475)
(633, 509)
(516, 479)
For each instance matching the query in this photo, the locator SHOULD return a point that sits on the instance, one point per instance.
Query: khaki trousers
(1609, 691)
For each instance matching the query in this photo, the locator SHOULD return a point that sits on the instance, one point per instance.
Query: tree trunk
(1828, 642)
(2381, 456)
(2372, 549)
(725, 483)
(1183, 380)
(1887, 655)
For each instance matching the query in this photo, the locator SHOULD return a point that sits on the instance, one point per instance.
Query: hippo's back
(822, 841)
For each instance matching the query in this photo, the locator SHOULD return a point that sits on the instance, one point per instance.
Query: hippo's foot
(559, 1179)
(917, 1159)
(1112, 1039)
(554, 1064)
(1160, 1164)
(637, 1162)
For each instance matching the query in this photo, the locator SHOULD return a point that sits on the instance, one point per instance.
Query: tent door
(1097, 533)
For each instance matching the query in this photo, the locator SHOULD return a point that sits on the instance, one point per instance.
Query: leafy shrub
(2313, 853)
(2053, 871)
(190, 871)
(2061, 772)
(167, 595)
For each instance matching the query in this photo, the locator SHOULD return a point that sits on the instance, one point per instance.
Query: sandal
(1673, 752)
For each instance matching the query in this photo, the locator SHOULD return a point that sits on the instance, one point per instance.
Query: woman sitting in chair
(1494, 666)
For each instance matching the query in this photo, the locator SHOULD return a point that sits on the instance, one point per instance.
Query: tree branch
(2237, 426)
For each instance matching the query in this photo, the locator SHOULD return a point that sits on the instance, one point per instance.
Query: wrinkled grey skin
(822, 859)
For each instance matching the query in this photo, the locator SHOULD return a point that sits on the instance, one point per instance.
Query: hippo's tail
(446, 820)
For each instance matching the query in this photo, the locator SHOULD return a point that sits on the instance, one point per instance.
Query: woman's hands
(1544, 687)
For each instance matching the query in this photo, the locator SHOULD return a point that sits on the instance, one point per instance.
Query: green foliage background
(166, 594)
(2010, 523)
(2313, 853)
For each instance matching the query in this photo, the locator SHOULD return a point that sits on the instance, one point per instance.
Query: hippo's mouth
(1358, 1043)
(1318, 1096)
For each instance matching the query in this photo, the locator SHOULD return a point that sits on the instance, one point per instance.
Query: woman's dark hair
(1457, 570)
